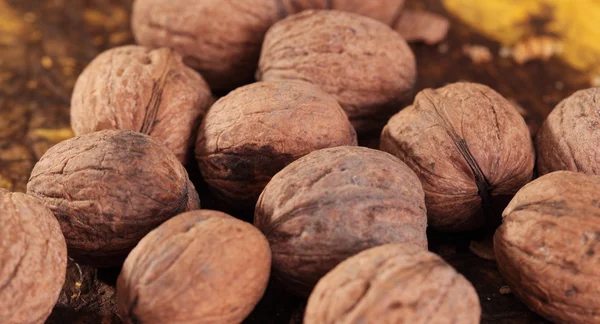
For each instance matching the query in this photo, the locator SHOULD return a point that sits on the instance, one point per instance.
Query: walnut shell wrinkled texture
(394, 283)
(386, 11)
(334, 203)
(219, 38)
(363, 63)
(110, 188)
(255, 131)
(468, 145)
(548, 247)
(570, 137)
(147, 91)
(199, 267)
(33, 259)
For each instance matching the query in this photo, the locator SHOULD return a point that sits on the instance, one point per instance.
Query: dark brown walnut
(363, 63)
(220, 38)
(33, 259)
(255, 131)
(570, 137)
(386, 11)
(548, 247)
(147, 91)
(198, 267)
(110, 188)
(394, 283)
(334, 203)
(468, 145)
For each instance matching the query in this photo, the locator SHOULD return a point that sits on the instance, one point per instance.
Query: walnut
(221, 39)
(363, 63)
(108, 189)
(468, 145)
(198, 267)
(386, 11)
(334, 203)
(569, 138)
(548, 247)
(394, 283)
(255, 131)
(33, 259)
(148, 91)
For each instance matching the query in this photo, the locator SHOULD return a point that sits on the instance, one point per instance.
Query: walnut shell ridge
(394, 283)
(548, 247)
(363, 63)
(255, 131)
(468, 145)
(334, 203)
(33, 259)
(170, 274)
(569, 139)
(110, 188)
(143, 90)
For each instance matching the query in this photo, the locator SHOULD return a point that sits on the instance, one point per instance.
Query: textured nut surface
(395, 283)
(548, 247)
(108, 189)
(386, 11)
(198, 267)
(363, 63)
(334, 203)
(220, 38)
(570, 136)
(255, 131)
(147, 91)
(467, 144)
(33, 259)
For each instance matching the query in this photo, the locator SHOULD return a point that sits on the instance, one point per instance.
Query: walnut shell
(221, 39)
(548, 247)
(570, 137)
(394, 283)
(363, 63)
(110, 188)
(468, 145)
(334, 203)
(143, 90)
(386, 11)
(255, 131)
(33, 259)
(198, 267)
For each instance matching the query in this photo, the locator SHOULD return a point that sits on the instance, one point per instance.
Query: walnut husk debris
(33, 259)
(468, 145)
(255, 131)
(548, 247)
(334, 203)
(394, 283)
(198, 267)
(570, 137)
(363, 63)
(143, 90)
(110, 188)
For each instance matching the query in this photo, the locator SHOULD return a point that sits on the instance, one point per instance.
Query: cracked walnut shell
(468, 145)
(199, 267)
(548, 247)
(108, 189)
(394, 283)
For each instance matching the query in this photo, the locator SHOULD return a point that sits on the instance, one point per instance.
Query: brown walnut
(143, 90)
(108, 189)
(386, 11)
(468, 145)
(255, 131)
(570, 137)
(334, 203)
(394, 283)
(548, 247)
(198, 267)
(363, 63)
(33, 259)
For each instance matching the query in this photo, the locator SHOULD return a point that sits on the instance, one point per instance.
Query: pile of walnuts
(340, 224)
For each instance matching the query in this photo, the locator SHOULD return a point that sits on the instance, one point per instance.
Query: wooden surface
(45, 44)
